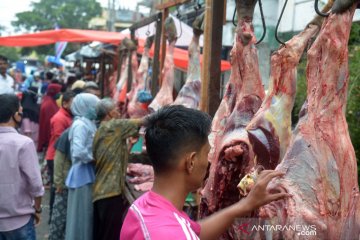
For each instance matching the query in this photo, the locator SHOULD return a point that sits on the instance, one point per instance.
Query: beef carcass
(135, 108)
(189, 95)
(320, 165)
(122, 80)
(270, 130)
(165, 94)
(242, 99)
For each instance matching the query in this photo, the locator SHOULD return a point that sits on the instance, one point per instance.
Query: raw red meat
(189, 95)
(139, 170)
(144, 187)
(270, 130)
(243, 97)
(320, 165)
(141, 175)
(165, 94)
(135, 108)
(122, 80)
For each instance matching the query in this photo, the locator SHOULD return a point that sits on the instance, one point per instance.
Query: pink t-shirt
(154, 217)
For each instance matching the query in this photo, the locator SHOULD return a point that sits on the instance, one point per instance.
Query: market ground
(42, 231)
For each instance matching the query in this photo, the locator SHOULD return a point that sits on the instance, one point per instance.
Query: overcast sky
(8, 9)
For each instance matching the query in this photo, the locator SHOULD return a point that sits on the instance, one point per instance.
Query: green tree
(11, 53)
(45, 14)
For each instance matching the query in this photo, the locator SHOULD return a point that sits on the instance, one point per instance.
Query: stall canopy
(61, 35)
(75, 35)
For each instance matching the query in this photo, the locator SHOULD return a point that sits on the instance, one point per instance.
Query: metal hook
(178, 15)
(233, 19)
(263, 24)
(148, 31)
(278, 23)
(316, 6)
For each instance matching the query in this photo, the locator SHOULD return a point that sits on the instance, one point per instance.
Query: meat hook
(263, 24)
(278, 23)
(233, 19)
(262, 20)
(178, 15)
(316, 6)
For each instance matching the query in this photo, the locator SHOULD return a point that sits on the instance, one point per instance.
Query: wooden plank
(144, 22)
(163, 43)
(170, 3)
(119, 64)
(156, 63)
(211, 73)
(130, 75)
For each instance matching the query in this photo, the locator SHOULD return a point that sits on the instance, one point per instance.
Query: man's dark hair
(8, 107)
(3, 58)
(67, 96)
(49, 75)
(173, 130)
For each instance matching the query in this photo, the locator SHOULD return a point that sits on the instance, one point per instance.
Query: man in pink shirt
(177, 143)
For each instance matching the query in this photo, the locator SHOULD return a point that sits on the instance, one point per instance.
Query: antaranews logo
(249, 227)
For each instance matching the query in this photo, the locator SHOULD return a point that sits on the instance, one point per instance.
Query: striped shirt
(154, 217)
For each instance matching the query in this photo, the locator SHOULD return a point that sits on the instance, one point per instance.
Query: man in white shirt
(6, 81)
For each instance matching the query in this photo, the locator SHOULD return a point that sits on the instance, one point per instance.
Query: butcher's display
(244, 143)
(189, 95)
(165, 94)
(121, 96)
(229, 141)
(135, 108)
(320, 165)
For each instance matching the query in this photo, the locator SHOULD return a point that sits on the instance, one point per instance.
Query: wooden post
(130, 75)
(211, 68)
(156, 63)
(119, 64)
(163, 43)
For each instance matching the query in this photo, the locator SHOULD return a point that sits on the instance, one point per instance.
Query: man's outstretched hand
(260, 195)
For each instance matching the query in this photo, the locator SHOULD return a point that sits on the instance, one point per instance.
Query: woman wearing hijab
(47, 111)
(30, 122)
(79, 221)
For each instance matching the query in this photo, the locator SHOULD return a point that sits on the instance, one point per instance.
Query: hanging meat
(320, 165)
(122, 80)
(120, 96)
(135, 108)
(189, 95)
(270, 130)
(165, 94)
(244, 94)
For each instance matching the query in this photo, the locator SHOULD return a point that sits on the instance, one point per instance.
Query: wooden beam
(156, 63)
(145, 22)
(170, 3)
(211, 70)
(163, 43)
(119, 64)
(130, 75)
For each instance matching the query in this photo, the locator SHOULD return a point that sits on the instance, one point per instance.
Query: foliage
(45, 14)
(353, 102)
(11, 53)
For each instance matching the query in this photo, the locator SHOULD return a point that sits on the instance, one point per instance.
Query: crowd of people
(85, 146)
